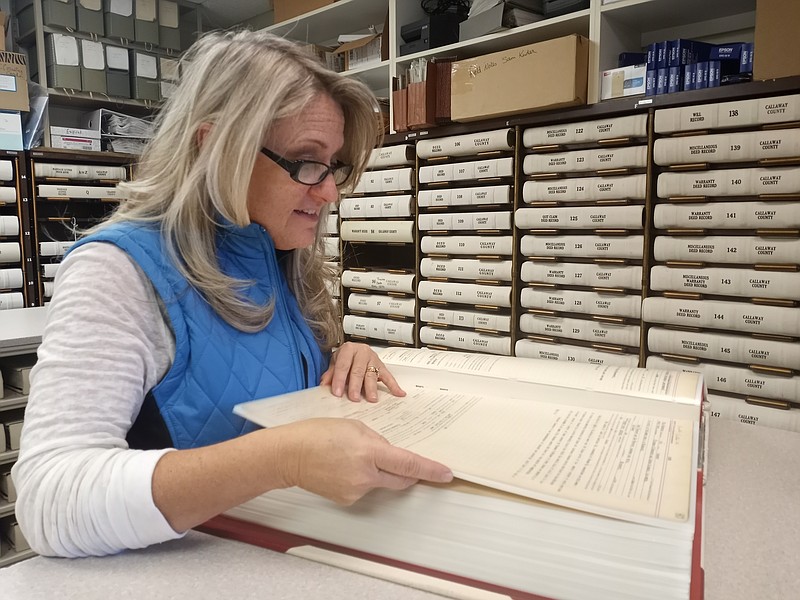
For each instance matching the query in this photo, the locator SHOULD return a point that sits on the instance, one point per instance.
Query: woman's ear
(202, 132)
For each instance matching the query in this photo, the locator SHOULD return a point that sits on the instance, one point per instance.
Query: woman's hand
(343, 459)
(357, 367)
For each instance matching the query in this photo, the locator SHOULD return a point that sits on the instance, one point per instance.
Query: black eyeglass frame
(293, 168)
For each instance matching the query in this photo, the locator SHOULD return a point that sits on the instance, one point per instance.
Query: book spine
(567, 353)
(494, 194)
(376, 206)
(457, 268)
(465, 145)
(583, 189)
(465, 293)
(734, 409)
(330, 247)
(9, 300)
(583, 217)
(586, 160)
(8, 195)
(49, 270)
(734, 147)
(727, 249)
(373, 280)
(728, 215)
(730, 182)
(584, 302)
(465, 318)
(391, 180)
(381, 329)
(701, 75)
(11, 279)
(391, 156)
(736, 380)
(720, 314)
(499, 167)
(724, 347)
(57, 170)
(110, 173)
(377, 231)
(466, 340)
(468, 244)
(746, 283)
(738, 113)
(78, 191)
(6, 170)
(586, 131)
(464, 221)
(10, 252)
(331, 226)
(9, 226)
(587, 274)
(386, 305)
(630, 246)
(581, 329)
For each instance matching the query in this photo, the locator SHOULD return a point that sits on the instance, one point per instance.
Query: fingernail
(337, 391)
(445, 477)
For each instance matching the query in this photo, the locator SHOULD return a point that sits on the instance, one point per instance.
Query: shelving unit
(629, 25)
(18, 277)
(60, 217)
(20, 333)
(67, 106)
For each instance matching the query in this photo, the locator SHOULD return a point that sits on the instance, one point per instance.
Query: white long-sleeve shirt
(81, 490)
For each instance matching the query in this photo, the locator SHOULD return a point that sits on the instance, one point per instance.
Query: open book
(574, 481)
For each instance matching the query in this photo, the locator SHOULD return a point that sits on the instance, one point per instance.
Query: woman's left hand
(357, 367)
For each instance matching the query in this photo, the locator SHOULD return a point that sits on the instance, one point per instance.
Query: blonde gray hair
(239, 82)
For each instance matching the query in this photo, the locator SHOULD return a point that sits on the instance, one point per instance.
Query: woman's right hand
(343, 459)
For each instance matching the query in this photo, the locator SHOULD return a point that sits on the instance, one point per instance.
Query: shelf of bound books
(378, 241)
(580, 223)
(17, 277)
(726, 275)
(71, 192)
(467, 188)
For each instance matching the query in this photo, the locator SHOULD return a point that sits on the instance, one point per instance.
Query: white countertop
(751, 540)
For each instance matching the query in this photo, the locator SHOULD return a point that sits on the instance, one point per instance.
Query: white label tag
(95, 5)
(66, 50)
(146, 10)
(169, 69)
(8, 83)
(168, 14)
(93, 55)
(146, 66)
(117, 58)
(121, 7)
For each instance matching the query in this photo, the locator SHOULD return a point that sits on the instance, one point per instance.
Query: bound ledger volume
(574, 482)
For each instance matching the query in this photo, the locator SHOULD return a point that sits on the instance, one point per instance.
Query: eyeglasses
(310, 172)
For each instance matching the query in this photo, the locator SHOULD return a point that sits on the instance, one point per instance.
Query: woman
(206, 288)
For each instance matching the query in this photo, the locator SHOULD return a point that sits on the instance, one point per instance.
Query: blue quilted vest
(217, 366)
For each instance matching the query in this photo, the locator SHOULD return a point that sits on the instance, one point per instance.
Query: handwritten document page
(632, 466)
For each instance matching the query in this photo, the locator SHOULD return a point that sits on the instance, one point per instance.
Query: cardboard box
(74, 143)
(118, 19)
(13, 82)
(543, 76)
(624, 81)
(369, 50)
(169, 32)
(288, 9)
(4, 17)
(777, 44)
(90, 16)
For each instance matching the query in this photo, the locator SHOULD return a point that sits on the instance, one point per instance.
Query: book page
(640, 383)
(618, 464)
